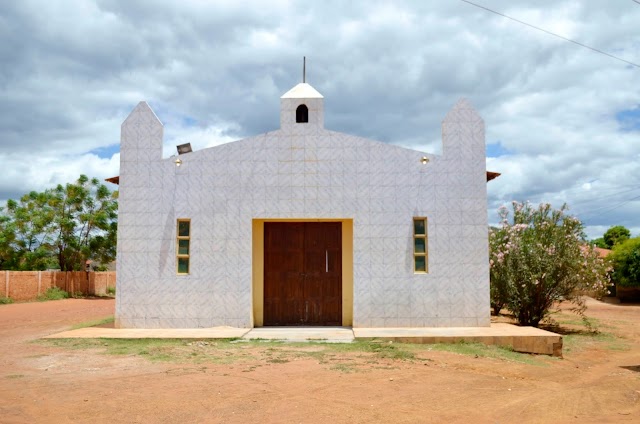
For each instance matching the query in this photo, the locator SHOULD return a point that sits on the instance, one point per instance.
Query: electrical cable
(611, 208)
(552, 33)
(617, 193)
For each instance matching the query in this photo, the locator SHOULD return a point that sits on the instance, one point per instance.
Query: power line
(554, 34)
(585, 201)
(605, 206)
(604, 196)
(611, 209)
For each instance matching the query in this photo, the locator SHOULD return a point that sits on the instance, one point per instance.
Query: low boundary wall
(27, 285)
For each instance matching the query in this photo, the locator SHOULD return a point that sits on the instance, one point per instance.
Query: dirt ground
(597, 381)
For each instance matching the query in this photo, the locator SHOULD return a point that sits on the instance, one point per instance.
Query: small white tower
(302, 108)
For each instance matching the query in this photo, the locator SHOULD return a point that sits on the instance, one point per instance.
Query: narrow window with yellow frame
(183, 246)
(420, 254)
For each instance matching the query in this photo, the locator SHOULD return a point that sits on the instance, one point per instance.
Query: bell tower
(302, 108)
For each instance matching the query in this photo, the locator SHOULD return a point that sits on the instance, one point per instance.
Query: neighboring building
(303, 226)
(602, 252)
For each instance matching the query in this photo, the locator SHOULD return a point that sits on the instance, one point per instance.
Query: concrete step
(302, 334)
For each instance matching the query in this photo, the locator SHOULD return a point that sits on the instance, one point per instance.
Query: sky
(562, 121)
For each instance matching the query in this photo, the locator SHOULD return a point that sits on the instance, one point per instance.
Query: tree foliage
(599, 242)
(626, 263)
(60, 227)
(615, 235)
(538, 257)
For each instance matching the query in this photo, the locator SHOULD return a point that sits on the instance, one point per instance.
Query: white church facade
(303, 226)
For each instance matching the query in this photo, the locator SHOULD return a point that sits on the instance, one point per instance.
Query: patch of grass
(5, 300)
(111, 291)
(395, 351)
(343, 357)
(278, 360)
(173, 350)
(53, 293)
(579, 341)
(382, 349)
(588, 324)
(480, 350)
(565, 320)
(346, 368)
(93, 323)
(578, 334)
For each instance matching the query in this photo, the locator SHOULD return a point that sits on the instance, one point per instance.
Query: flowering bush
(538, 257)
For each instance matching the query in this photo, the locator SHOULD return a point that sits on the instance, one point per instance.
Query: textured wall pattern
(303, 171)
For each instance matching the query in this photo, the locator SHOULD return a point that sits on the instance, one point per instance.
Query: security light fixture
(424, 160)
(184, 148)
(178, 161)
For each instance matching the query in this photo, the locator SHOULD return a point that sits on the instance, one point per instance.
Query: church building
(303, 226)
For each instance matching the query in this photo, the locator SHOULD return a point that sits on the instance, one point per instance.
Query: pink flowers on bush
(538, 257)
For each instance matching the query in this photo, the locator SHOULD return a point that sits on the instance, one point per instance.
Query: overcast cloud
(563, 122)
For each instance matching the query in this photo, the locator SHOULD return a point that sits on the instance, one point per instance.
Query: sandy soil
(598, 381)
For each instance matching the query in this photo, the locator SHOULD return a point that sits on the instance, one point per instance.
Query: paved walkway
(303, 334)
(521, 339)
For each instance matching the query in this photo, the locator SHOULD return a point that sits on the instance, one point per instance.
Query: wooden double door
(303, 273)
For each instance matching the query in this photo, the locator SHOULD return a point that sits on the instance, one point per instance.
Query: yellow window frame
(182, 257)
(420, 246)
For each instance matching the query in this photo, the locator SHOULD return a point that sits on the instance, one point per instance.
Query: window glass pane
(419, 245)
(183, 247)
(183, 265)
(421, 263)
(418, 226)
(183, 228)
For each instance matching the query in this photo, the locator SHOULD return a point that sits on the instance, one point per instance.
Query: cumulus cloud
(559, 117)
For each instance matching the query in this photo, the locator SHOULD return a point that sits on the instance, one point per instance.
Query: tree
(539, 258)
(7, 237)
(615, 235)
(626, 263)
(599, 242)
(60, 227)
(27, 232)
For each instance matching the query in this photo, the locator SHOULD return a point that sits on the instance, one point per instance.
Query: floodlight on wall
(184, 148)
(424, 160)
(178, 161)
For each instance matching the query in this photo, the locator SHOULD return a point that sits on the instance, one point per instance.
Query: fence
(27, 285)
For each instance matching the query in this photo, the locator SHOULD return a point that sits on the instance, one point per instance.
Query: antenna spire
(304, 69)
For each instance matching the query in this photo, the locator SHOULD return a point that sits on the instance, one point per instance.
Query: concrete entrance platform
(302, 334)
(520, 339)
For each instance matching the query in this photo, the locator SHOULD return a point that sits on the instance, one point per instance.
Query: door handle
(326, 261)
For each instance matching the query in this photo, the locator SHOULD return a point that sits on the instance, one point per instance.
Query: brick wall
(27, 285)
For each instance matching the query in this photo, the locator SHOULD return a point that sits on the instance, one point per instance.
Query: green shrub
(100, 268)
(626, 263)
(5, 300)
(53, 293)
(111, 291)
